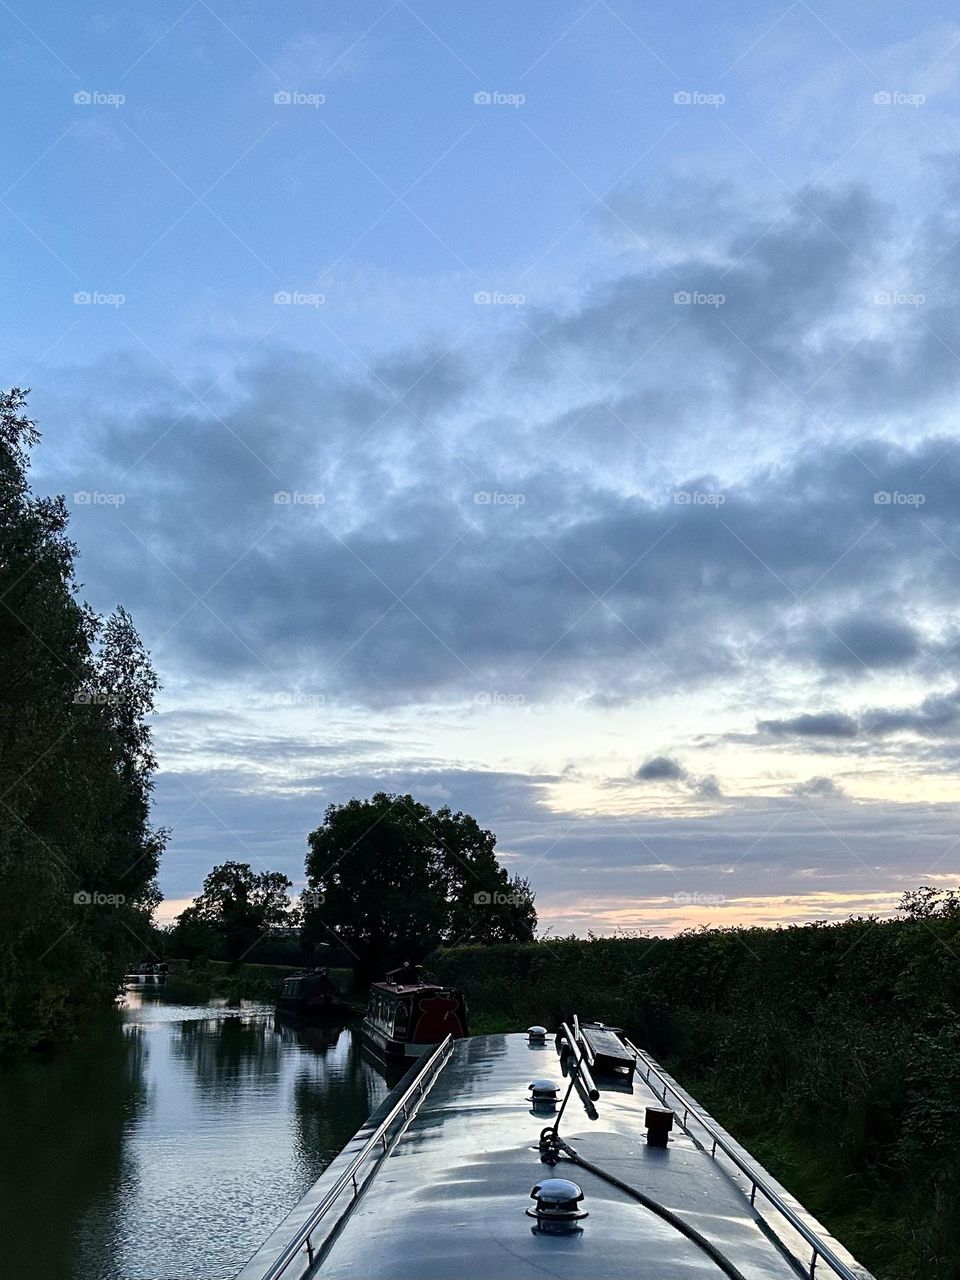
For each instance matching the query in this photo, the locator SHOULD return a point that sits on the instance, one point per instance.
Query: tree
(928, 903)
(392, 880)
(238, 907)
(78, 857)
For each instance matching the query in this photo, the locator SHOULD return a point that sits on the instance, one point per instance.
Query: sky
(547, 410)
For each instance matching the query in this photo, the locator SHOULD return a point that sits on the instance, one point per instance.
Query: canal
(169, 1142)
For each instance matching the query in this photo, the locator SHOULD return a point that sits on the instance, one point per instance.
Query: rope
(551, 1144)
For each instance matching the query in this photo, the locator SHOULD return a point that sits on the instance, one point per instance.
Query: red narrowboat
(407, 1017)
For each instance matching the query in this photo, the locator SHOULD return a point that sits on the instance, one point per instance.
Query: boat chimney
(659, 1122)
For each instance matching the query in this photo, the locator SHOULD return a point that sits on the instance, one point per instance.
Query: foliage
(833, 1050)
(391, 880)
(238, 907)
(78, 857)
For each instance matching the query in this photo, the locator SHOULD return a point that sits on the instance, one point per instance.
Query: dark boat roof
(450, 1198)
(406, 989)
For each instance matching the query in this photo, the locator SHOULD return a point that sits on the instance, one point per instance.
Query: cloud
(708, 787)
(262, 817)
(863, 641)
(667, 769)
(621, 498)
(662, 768)
(581, 864)
(824, 724)
(397, 588)
(556, 476)
(936, 717)
(818, 788)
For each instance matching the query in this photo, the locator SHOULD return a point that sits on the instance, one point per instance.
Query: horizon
(549, 415)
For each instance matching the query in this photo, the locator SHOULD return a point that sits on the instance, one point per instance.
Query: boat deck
(448, 1198)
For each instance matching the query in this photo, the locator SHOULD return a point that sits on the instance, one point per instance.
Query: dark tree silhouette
(391, 880)
(237, 909)
(78, 857)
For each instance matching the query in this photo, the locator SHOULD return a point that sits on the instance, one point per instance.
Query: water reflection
(171, 1140)
(228, 1053)
(321, 1038)
(63, 1159)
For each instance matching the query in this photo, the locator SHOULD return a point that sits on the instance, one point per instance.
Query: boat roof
(406, 988)
(449, 1198)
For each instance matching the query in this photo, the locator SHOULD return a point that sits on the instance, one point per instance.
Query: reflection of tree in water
(320, 1037)
(335, 1098)
(224, 1051)
(330, 1110)
(63, 1122)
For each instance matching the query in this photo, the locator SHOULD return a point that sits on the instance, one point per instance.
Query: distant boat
(407, 1018)
(146, 975)
(313, 994)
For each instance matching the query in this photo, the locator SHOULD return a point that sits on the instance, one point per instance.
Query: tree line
(389, 880)
(78, 854)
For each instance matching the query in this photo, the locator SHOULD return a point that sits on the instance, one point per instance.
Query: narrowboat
(312, 994)
(407, 1017)
(513, 1157)
(147, 975)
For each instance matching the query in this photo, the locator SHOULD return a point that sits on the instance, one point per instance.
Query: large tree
(392, 880)
(78, 856)
(237, 909)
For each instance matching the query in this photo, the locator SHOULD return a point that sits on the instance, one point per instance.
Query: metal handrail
(820, 1249)
(431, 1067)
(585, 1043)
(580, 1063)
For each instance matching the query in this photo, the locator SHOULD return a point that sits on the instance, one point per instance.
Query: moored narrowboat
(407, 1017)
(313, 994)
(147, 975)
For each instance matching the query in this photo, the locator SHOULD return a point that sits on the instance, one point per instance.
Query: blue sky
(550, 411)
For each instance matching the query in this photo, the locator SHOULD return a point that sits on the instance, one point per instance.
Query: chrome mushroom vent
(557, 1209)
(543, 1094)
(536, 1035)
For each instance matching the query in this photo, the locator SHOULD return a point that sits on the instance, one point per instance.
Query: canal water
(171, 1140)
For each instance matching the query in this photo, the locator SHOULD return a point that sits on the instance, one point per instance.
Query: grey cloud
(937, 717)
(825, 724)
(237, 812)
(599, 585)
(709, 787)
(751, 846)
(661, 768)
(668, 769)
(421, 598)
(863, 640)
(818, 788)
(582, 573)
